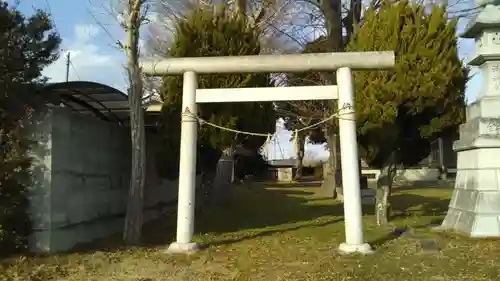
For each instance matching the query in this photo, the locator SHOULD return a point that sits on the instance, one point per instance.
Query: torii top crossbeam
(270, 63)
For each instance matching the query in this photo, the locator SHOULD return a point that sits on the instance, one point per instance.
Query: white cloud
(90, 61)
(85, 32)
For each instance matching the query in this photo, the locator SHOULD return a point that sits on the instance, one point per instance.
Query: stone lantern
(475, 206)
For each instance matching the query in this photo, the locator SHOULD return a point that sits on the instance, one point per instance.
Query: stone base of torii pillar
(475, 206)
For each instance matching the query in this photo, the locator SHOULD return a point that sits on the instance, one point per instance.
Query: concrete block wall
(82, 177)
(39, 197)
(407, 175)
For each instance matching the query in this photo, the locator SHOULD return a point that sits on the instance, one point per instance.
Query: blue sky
(94, 53)
(90, 32)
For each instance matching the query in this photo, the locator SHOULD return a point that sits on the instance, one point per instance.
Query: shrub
(26, 46)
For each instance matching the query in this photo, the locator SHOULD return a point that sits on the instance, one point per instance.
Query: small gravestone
(285, 174)
(367, 194)
(429, 246)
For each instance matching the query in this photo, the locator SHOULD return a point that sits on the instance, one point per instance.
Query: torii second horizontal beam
(270, 63)
(263, 94)
(267, 94)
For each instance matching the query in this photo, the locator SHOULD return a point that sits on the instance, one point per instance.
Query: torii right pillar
(475, 206)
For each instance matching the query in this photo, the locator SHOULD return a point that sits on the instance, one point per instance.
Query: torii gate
(344, 92)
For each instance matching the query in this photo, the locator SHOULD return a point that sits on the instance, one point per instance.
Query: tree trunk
(330, 179)
(333, 20)
(299, 160)
(331, 10)
(382, 204)
(333, 161)
(241, 7)
(352, 19)
(384, 186)
(133, 220)
(223, 177)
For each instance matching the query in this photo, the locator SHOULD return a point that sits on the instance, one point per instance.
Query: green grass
(282, 233)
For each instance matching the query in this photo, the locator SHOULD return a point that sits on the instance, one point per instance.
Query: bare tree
(131, 18)
(277, 20)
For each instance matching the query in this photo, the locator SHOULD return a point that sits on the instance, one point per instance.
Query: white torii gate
(344, 92)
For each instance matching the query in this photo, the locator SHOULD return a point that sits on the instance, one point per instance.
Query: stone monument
(475, 206)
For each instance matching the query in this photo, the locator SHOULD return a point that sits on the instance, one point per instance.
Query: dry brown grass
(282, 233)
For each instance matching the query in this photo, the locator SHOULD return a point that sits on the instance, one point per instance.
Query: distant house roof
(91, 98)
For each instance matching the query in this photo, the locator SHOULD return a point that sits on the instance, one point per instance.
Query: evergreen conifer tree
(401, 110)
(204, 33)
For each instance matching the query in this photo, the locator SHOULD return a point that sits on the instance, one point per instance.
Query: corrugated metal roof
(95, 99)
(91, 98)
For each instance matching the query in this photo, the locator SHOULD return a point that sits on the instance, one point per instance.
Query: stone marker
(429, 246)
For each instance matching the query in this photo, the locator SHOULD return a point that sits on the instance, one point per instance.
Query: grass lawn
(283, 233)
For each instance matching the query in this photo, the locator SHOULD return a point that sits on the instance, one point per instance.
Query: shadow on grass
(251, 208)
(271, 232)
(260, 208)
(430, 211)
(405, 205)
(402, 231)
(254, 208)
(292, 192)
(298, 184)
(441, 184)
